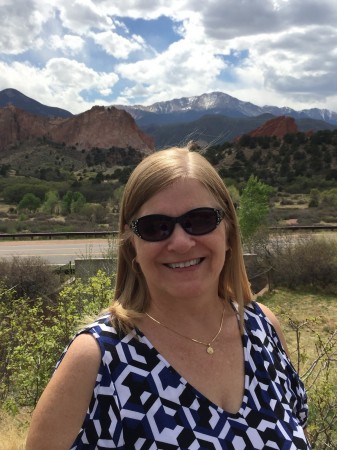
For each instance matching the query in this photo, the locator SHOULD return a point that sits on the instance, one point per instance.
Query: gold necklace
(209, 348)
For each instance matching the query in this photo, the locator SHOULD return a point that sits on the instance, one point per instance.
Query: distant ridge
(210, 118)
(188, 109)
(217, 117)
(19, 100)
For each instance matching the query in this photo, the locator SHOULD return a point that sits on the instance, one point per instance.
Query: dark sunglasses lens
(199, 222)
(155, 228)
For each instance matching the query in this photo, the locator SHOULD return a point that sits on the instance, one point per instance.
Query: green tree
(51, 203)
(66, 202)
(314, 198)
(72, 202)
(77, 203)
(254, 207)
(30, 202)
(235, 195)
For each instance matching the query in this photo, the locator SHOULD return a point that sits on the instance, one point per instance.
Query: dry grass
(4, 207)
(13, 430)
(292, 308)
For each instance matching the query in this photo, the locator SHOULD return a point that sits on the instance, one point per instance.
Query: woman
(184, 359)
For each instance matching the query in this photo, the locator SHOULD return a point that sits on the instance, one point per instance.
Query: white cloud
(83, 15)
(263, 51)
(116, 45)
(68, 44)
(188, 67)
(59, 83)
(20, 26)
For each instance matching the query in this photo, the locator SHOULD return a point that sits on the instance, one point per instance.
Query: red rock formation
(16, 126)
(278, 126)
(99, 127)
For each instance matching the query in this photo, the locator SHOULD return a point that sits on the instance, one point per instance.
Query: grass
(285, 304)
(13, 430)
(320, 311)
(308, 321)
(4, 207)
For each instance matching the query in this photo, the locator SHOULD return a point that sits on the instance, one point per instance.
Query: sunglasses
(157, 227)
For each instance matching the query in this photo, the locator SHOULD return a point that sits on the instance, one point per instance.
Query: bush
(29, 277)
(297, 263)
(33, 335)
(312, 263)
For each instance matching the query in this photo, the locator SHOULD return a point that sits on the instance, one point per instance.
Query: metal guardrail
(305, 228)
(107, 233)
(61, 234)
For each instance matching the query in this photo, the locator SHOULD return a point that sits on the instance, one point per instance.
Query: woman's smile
(182, 265)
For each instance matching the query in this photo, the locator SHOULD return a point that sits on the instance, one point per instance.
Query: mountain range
(191, 108)
(217, 117)
(210, 118)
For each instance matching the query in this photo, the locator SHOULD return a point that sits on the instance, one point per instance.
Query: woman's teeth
(181, 265)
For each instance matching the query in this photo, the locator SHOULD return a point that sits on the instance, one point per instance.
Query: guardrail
(62, 234)
(305, 228)
(107, 233)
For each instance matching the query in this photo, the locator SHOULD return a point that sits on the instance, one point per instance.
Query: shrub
(30, 277)
(29, 202)
(297, 263)
(33, 335)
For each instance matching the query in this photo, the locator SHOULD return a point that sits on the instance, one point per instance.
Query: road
(57, 251)
(63, 251)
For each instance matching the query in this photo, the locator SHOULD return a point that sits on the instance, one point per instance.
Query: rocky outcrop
(99, 127)
(17, 125)
(278, 126)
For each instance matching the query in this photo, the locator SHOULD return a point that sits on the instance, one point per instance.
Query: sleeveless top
(141, 402)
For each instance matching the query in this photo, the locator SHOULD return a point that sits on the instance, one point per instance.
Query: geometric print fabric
(141, 402)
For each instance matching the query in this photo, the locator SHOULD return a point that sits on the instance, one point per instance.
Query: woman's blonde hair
(155, 173)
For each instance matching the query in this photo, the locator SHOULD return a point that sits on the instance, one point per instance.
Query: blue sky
(74, 54)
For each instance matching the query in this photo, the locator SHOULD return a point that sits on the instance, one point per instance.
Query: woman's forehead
(181, 196)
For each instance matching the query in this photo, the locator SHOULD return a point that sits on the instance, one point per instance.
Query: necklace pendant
(209, 349)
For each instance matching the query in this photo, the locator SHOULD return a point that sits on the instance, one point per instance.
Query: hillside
(99, 127)
(15, 98)
(280, 161)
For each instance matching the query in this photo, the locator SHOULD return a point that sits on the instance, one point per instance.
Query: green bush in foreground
(33, 335)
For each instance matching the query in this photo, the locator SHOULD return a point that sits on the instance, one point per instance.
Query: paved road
(56, 251)
(63, 251)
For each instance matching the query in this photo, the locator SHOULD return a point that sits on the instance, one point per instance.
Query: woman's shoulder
(92, 340)
(263, 312)
(104, 330)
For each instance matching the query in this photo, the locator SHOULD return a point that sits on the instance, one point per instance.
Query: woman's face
(182, 266)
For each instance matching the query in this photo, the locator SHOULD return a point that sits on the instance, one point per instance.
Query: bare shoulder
(61, 409)
(82, 358)
(271, 316)
(83, 349)
(276, 324)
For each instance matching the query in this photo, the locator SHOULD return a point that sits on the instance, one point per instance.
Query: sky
(74, 54)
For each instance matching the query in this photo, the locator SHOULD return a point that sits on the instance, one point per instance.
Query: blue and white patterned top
(141, 402)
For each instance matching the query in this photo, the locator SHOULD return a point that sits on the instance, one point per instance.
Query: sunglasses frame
(219, 216)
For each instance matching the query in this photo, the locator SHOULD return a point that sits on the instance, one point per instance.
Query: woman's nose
(180, 241)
